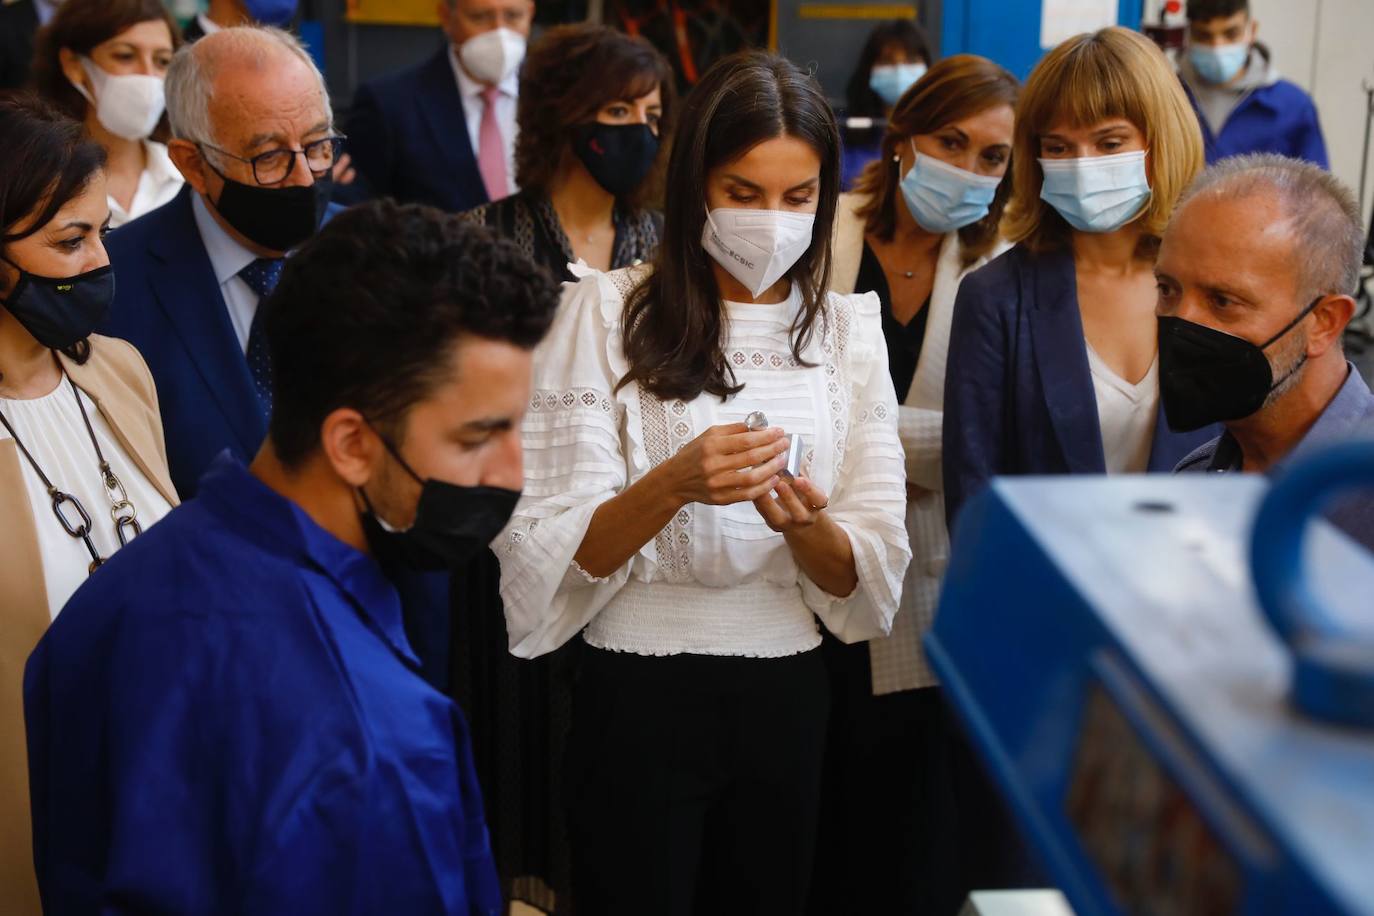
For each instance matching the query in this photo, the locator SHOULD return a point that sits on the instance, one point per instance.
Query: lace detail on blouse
(716, 579)
(664, 436)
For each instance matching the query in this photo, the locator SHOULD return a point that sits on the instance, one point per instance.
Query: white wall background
(1327, 48)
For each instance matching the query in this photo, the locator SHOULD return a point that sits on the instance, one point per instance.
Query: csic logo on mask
(779, 237)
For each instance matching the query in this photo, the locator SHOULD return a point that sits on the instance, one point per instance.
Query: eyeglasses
(275, 166)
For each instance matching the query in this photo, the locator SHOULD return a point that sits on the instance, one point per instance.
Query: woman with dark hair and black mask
(712, 463)
(596, 107)
(895, 56)
(82, 465)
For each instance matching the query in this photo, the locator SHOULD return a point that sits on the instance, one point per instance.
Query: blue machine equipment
(1173, 735)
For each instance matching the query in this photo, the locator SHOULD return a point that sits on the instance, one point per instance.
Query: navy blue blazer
(167, 304)
(408, 137)
(1019, 395)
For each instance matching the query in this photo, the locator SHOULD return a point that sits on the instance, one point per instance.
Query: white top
(470, 91)
(1127, 415)
(717, 580)
(228, 257)
(159, 183)
(52, 430)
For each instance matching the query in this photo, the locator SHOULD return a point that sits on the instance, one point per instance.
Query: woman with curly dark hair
(103, 62)
(595, 111)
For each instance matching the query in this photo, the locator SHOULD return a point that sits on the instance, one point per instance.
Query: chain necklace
(122, 511)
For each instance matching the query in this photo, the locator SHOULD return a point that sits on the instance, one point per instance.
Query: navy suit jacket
(168, 304)
(1019, 395)
(409, 139)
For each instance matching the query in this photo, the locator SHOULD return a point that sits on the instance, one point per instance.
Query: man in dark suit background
(443, 133)
(19, 19)
(254, 139)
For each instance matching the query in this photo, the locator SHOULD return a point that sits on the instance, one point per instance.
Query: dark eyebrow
(744, 181)
(78, 224)
(805, 185)
(950, 127)
(489, 425)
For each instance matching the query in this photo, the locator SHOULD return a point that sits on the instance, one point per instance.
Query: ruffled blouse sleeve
(574, 462)
(868, 499)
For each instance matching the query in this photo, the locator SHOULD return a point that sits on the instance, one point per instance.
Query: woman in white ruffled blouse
(669, 535)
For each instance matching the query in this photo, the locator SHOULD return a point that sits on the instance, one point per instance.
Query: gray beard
(1291, 373)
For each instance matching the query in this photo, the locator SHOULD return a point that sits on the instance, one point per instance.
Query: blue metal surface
(1007, 31)
(1102, 642)
(1334, 676)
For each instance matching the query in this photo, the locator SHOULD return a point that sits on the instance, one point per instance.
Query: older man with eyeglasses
(254, 137)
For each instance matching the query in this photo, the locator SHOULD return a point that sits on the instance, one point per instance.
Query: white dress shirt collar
(157, 184)
(207, 25)
(227, 256)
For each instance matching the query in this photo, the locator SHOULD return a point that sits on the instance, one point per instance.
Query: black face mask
(277, 218)
(452, 523)
(61, 312)
(1208, 376)
(618, 156)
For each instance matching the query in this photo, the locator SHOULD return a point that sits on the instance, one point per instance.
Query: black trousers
(694, 782)
(910, 822)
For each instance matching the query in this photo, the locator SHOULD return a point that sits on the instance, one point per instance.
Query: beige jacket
(117, 381)
(898, 660)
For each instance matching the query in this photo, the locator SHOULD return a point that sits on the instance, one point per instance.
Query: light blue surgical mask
(890, 81)
(1097, 193)
(943, 197)
(1218, 64)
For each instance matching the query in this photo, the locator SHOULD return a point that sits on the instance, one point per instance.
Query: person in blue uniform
(1242, 104)
(230, 719)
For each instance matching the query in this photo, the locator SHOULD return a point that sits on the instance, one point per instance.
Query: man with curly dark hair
(232, 718)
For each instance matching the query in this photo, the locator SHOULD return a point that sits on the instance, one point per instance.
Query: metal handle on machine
(1333, 673)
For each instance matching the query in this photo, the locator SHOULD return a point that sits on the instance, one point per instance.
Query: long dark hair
(673, 321)
(48, 161)
(957, 87)
(862, 101)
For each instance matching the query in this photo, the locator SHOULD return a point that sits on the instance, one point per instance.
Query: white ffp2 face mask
(127, 105)
(492, 56)
(756, 246)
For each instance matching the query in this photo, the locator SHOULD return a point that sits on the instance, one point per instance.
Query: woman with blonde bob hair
(1053, 365)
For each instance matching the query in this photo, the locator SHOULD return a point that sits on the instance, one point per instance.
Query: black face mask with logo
(618, 156)
(60, 312)
(452, 523)
(1208, 376)
(277, 218)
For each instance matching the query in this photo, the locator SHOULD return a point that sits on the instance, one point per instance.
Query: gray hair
(1324, 214)
(191, 77)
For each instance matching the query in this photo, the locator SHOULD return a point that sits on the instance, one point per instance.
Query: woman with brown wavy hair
(595, 111)
(663, 525)
(103, 62)
(922, 216)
